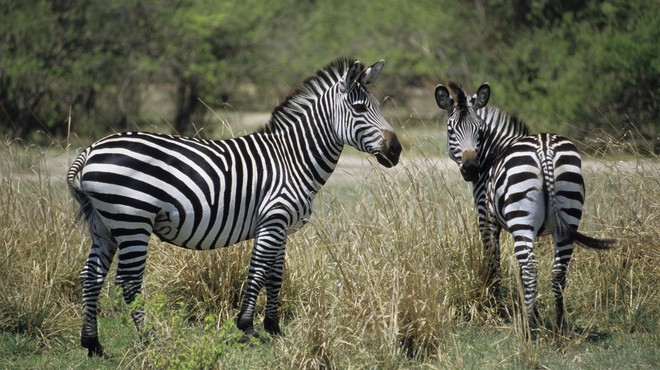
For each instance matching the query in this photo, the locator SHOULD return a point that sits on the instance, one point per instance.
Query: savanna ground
(386, 275)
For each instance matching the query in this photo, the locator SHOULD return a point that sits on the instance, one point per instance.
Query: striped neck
(307, 137)
(498, 131)
(304, 122)
(307, 99)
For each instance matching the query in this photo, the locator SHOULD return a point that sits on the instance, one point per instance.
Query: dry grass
(385, 275)
(40, 254)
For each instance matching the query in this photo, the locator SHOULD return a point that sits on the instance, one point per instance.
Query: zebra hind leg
(563, 253)
(92, 277)
(524, 251)
(130, 271)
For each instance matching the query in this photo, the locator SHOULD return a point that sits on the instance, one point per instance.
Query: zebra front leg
(273, 286)
(92, 278)
(268, 245)
(490, 237)
(563, 253)
(524, 251)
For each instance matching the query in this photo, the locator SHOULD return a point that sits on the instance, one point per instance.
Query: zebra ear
(354, 72)
(480, 99)
(443, 98)
(370, 74)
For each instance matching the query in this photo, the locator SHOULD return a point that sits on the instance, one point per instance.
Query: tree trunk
(186, 104)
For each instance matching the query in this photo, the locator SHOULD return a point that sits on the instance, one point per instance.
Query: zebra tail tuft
(589, 242)
(86, 211)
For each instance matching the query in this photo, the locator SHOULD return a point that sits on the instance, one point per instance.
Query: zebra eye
(360, 107)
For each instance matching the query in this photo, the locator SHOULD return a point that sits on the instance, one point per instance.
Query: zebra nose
(388, 156)
(470, 166)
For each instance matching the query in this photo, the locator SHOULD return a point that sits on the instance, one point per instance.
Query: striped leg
(563, 253)
(523, 247)
(268, 244)
(92, 278)
(273, 286)
(130, 269)
(490, 236)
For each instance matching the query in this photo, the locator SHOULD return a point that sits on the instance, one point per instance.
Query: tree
(555, 62)
(59, 56)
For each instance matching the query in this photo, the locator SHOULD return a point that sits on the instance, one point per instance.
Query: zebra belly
(215, 227)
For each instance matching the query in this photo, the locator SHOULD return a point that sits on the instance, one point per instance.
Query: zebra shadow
(510, 312)
(591, 335)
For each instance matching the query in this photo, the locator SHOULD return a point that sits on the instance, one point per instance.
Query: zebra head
(463, 125)
(360, 122)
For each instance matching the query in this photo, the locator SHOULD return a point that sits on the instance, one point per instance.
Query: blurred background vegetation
(571, 66)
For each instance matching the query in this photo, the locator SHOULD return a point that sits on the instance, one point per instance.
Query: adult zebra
(530, 185)
(203, 194)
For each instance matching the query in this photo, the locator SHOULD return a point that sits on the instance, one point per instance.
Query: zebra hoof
(94, 347)
(249, 336)
(561, 327)
(272, 326)
(247, 328)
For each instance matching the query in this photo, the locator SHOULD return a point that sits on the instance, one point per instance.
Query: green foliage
(174, 341)
(58, 56)
(595, 66)
(628, 63)
(117, 65)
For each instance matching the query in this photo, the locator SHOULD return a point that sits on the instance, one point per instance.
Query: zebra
(530, 185)
(205, 194)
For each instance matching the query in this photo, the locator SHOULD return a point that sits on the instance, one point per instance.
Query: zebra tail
(589, 242)
(86, 210)
(565, 228)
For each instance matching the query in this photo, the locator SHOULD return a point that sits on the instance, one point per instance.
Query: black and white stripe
(204, 194)
(530, 185)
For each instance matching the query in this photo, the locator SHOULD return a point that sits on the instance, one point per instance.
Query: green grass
(466, 347)
(386, 275)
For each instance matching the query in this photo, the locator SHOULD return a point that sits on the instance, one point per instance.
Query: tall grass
(385, 275)
(40, 255)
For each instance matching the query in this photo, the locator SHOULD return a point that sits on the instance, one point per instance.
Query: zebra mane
(310, 88)
(497, 120)
(461, 99)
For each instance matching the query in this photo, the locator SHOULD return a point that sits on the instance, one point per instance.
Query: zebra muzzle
(470, 166)
(389, 154)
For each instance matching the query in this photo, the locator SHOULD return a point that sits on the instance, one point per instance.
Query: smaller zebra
(530, 185)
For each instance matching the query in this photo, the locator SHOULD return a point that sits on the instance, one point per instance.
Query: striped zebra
(204, 194)
(530, 185)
